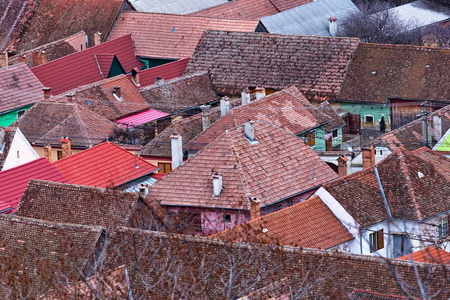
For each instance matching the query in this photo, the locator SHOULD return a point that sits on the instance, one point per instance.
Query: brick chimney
(437, 124)
(48, 152)
(217, 184)
(69, 98)
(177, 150)
(22, 58)
(4, 60)
(47, 93)
(66, 150)
(118, 92)
(368, 157)
(260, 92)
(135, 76)
(35, 57)
(249, 130)
(255, 211)
(342, 166)
(159, 81)
(245, 96)
(97, 38)
(41, 57)
(224, 106)
(333, 26)
(206, 112)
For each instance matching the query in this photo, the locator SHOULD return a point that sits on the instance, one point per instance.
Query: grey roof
(421, 13)
(309, 19)
(174, 6)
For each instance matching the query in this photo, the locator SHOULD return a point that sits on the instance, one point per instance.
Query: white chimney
(437, 124)
(217, 184)
(206, 111)
(245, 96)
(224, 106)
(143, 190)
(260, 92)
(177, 150)
(333, 26)
(249, 130)
(159, 81)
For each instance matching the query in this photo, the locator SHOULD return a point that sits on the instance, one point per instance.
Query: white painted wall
(20, 152)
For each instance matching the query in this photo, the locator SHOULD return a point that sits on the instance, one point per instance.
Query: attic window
(427, 66)
(264, 230)
(173, 30)
(374, 72)
(89, 102)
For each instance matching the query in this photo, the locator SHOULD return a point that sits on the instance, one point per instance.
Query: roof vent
(420, 174)
(118, 93)
(217, 184)
(264, 230)
(374, 72)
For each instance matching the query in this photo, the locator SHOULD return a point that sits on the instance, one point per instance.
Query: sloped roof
(174, 6)
(141, 118)
(309, 19)
(43, 250)
(167, 71)
(416, 188)
(249, 9)
(336, 120)
(76, 204)
(28, 24)
(421, 13)
(367, 295)
(99, 97)
(13, 182)
(180, 93)
(171, 36)
(410, 136)
(405, 72)
(47, 121)
(429, 255)
(18, 88)
(309, 224)
(83, 67)
(104, 165)
(287, 109)
(236, 60)
(278, 166)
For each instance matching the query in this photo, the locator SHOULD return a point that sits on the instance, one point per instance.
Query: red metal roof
(14, 181)
(83, 67)
(168, 71)
(141, 118)
(104, 165)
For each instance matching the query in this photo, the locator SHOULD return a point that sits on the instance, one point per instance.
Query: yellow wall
(40, 151)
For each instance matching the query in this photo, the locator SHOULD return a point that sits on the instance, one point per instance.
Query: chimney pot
(245, 96)
(66, 147)
(333, 26)
(249, 130)
(4, 60)
(118, 92)
(260, 92)
(69, 97)
(206, 112)
(47, 92)
(255, 211)
(342, 166)
(159, 81)
(22, 58)
(368, 157)
(224, 106)
(135, 76)
(177, 150)
(97, 38)
(217, 184)
(48, 152)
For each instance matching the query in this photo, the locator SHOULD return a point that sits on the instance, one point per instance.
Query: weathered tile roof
(76, 204)
(287, 109)
(99, 97)
(13, 182)
(45, 253)
(5, 143)
(416, 186)
(406, 72)
(104, 165)
(18, 88)
(309, 224)
(410, 136)
(367, 295)
(336, 120)
(47, 121)
(249, 9)
(83, 67)
(429, 255)
(27, 24)
(167, 71)
(235, 60)
(278, 166)
(180, 93)
(171, 36)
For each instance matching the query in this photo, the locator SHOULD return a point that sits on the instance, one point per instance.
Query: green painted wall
(372, 109)
(338, 140)
(153, 62)
(320, 139)
(445, 145)
(8, 118)
(116, 68)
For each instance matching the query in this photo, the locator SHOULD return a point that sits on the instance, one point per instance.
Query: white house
(15, 150)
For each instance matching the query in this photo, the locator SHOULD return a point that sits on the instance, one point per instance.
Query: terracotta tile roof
(18, 88)
(46, 122)
(180, 93)
(416, 179)
(249, 9)
(104, 165)
(43, 250)
(27, 24)
(141, 118)
(83, 67)
(76, 204)
(5, 143)
(279, 166)
(429, 255)
(308, 224)
(99, 97)
(167, 71)
(13, 182)
(171, 36)
(236, 60)
(367, 295)
(406, 72)
(410, 136)
(287, 109)
(336, 120)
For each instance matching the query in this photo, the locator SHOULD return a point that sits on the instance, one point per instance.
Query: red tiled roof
(104, 63)
(167, 71)
(14, 181)
(18, 88)
(308, 224)
(429, 255)
(249, 9)
(171, 36)
(82, 67)
(104, 165)
(141, 118)
(368, 295)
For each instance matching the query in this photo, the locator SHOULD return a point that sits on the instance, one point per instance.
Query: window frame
(164, 166)
(376, 240)
(442, 227)
(310, 138)
(227, 218)
(370, 116)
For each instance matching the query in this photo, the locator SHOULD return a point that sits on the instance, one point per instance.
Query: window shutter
(380, 239)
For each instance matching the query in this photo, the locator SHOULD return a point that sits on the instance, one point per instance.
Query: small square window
(443, 227)
(376, 240)
(227, 218)
(368, 119)
(310, 138)
(335, 133)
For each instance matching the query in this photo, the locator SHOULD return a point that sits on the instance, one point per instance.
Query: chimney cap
(343, 157)
(334, 19)
(46, 88)
(65, 139)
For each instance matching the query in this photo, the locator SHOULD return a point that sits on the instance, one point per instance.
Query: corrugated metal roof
(141, 118)
(309, 19)
(420, 13)
(174, 6)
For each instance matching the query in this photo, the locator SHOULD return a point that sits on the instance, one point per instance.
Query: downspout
(386, 205)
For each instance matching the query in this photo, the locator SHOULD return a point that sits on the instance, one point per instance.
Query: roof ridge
(90, 85)
(189, 15)
(82, 125)
(174, 80)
